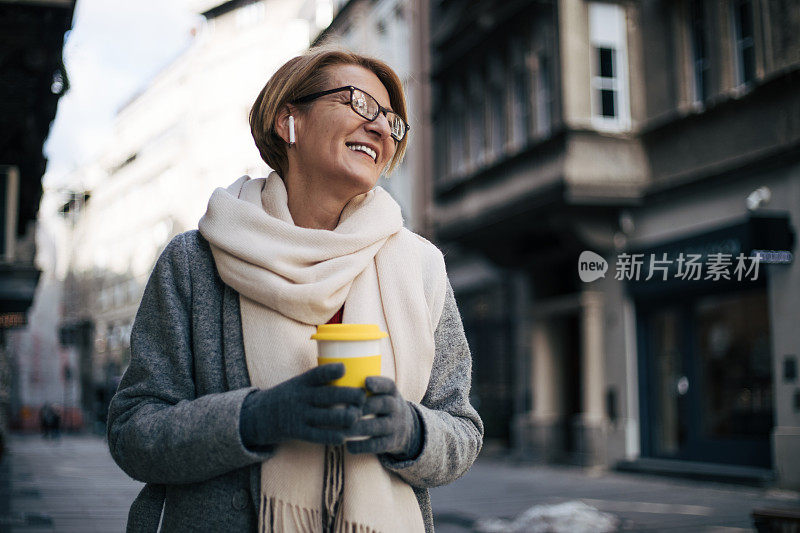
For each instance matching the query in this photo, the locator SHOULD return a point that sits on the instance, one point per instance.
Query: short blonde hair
(306, 74)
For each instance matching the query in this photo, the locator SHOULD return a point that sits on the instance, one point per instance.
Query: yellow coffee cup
(357, 346)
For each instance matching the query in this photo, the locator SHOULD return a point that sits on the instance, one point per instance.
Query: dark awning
(751, 236)
(17, 287)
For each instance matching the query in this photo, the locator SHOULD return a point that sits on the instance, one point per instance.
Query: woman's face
(329, 130)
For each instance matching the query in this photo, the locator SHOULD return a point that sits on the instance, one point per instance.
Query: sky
(114, 48)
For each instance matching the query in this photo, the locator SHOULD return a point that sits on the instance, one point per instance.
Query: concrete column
(544, 373)
(11, 213)
(591, 426)
(592, 356)
(573, 31)
(541, 429)
(521, 346)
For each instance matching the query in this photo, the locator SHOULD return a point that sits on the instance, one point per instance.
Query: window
(607, 82)
(496, 106)
(543, 96)
(104, 299)
(519, 98)
(456, 126)
(119, 295)
(133, 291)
(609, 90)
(477, 122)
(744, 44)
(700, 70)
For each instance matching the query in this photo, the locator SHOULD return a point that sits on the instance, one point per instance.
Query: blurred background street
(73, 485)
(615, 185)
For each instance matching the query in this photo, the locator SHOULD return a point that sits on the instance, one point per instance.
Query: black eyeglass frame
(352, 88)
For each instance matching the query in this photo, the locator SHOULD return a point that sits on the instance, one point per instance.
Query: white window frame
(607, 29)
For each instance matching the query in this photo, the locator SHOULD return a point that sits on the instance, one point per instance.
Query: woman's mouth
(364, 149)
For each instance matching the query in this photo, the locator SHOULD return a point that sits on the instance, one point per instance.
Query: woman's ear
(282, 122)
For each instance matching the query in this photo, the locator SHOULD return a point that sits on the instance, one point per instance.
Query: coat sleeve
(453, 431)
(159, 430)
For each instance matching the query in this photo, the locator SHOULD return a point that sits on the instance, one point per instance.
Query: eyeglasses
(367, 107)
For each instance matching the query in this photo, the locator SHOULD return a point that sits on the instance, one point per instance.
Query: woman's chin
(361, 181)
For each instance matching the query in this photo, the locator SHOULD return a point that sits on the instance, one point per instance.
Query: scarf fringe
(278, 516)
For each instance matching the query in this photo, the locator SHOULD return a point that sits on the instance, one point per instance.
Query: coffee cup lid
(348, 332)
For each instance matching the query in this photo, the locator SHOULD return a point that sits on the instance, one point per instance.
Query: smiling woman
(309, 74)
(348, 120)
(223, 410)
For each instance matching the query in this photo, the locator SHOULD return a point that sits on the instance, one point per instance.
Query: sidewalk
(504, 489)
(73, 485)
(70, 485)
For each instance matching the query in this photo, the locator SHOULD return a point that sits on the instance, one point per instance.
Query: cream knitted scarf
(290, 279)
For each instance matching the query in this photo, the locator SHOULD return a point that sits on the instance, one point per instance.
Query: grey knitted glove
(304, 408)
(396, 429)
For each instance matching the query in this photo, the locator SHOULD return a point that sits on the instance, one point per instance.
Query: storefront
(704, 344)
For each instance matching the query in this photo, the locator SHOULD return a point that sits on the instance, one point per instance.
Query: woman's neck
(312, 205)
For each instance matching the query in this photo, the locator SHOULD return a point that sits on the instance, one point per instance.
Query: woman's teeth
(366, 149)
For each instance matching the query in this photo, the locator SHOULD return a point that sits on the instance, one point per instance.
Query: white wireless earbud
(291, 130)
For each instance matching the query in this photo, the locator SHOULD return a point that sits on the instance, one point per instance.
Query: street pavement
(504, 488)
(73, 485)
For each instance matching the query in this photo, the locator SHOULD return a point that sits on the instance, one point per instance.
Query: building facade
(649, 133)
(185, 134)
(32, 79)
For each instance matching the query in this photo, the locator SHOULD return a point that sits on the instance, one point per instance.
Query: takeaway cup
(357, 346)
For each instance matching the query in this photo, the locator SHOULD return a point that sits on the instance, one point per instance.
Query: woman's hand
(305, 407)
(396, 428)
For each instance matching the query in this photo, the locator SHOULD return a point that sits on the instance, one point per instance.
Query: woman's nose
(380, 125)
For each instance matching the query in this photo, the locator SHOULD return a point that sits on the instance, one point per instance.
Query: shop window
(733, 346)
(708, 392)
(609, 67)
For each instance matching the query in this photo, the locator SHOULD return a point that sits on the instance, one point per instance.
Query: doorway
(706, 363)
(488, 328)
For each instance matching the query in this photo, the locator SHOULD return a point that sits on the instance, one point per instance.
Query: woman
(223, 411)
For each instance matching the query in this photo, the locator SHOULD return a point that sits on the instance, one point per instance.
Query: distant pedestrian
(50, 421)
(223, 411)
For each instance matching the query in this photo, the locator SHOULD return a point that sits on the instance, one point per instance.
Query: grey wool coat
(174, 421)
